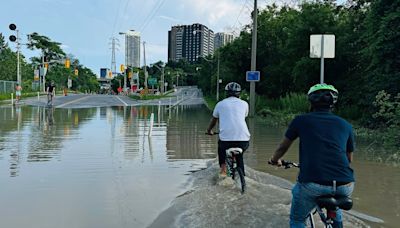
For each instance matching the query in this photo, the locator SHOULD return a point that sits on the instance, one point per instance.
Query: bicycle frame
(330, 203)
(232, 166)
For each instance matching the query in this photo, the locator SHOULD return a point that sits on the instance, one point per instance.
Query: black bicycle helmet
(323, 95)
(233, 89)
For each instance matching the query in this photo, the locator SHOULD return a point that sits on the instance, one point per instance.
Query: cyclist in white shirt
(231, 114)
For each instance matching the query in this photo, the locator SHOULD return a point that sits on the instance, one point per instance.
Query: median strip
(122, 101)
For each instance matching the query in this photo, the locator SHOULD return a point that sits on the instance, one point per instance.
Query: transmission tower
(114, 46)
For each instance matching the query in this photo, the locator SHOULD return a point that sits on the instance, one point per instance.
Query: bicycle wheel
(242, 180)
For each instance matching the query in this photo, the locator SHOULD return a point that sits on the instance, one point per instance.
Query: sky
(85, 27)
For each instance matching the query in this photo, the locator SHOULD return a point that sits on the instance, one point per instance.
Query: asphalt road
(183, 96)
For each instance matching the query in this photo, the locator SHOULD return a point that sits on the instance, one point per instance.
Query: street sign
(253, 76)
(152, 81)
(322, 45)
(69, 83)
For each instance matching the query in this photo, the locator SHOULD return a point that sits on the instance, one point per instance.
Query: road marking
(122, 101)
(79, 99)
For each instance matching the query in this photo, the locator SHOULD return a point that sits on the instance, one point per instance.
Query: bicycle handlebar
(289, 164)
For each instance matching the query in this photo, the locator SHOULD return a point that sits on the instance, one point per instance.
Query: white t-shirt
(232, 113)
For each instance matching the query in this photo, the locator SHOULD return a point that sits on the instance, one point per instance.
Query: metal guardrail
(7, 86)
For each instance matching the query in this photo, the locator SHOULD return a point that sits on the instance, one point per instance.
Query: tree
(51, 50)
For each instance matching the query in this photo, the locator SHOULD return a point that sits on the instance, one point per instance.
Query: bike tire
(242, 180)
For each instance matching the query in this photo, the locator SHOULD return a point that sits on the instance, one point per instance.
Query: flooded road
(98, 167)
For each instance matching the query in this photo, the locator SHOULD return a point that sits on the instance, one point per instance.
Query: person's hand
(209, 132)
(271, 161)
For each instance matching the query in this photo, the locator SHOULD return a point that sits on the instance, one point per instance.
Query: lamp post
(162, 68)
(208, 60)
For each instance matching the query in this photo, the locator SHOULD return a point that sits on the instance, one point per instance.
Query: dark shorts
(224, 145)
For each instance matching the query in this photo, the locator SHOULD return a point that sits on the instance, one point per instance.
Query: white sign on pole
(326, 50)
(69, 83)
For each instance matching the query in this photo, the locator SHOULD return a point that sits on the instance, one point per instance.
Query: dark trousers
(224, 145)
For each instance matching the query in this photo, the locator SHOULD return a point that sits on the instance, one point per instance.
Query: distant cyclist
(233, 132)
(325, 153)
(50, 89)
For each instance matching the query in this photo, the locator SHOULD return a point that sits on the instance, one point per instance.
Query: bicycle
(232, 167)
(49, 99)
(330, 203)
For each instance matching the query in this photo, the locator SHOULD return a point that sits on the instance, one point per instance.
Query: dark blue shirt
(324, 140)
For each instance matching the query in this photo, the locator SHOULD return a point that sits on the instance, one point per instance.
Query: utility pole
(114, 46)
(218, 78)
(162, 80)
(145, 67)
(253, 60)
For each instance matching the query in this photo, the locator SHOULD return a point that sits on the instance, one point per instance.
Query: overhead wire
(151, 15)
(116, 17)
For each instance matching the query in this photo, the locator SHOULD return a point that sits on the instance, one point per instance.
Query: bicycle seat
(234, 151)
(332, 202)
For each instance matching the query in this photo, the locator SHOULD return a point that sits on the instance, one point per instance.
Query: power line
(150, 16)
(116, 16)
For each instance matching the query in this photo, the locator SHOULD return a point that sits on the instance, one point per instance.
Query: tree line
(83, 79)
(366, 61)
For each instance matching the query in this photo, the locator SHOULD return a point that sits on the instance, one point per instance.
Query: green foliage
(292, 103)
(387, 117)
(51, 50)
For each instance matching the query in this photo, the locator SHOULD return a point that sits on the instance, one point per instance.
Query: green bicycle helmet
(323, 95)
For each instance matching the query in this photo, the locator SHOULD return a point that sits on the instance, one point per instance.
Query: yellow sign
(76, 72)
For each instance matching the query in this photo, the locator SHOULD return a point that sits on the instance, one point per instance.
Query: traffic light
(110, 74)
(67, 63)
(122, 68)
(76, 72)
(130, 74)
(12, 27)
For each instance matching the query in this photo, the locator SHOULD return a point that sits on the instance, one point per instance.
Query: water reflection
(105, 157)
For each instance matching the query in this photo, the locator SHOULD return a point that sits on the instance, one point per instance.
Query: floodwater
(98, 167)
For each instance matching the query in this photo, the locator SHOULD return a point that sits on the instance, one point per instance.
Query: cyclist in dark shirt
(325, 153)
(50, 89)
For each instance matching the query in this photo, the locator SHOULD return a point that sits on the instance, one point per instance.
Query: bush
(292, 103)
(387, 117)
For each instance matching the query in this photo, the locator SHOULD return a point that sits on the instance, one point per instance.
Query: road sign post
(322, 46)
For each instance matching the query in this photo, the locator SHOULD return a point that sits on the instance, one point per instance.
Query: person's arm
(350, 156)
(350, 147)
(280, 151)
(212, 124)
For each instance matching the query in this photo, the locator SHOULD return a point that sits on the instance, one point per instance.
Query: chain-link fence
(7, 86)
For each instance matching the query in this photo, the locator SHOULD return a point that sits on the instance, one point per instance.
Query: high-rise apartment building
(132, 48)
(221, 39)
(190, 42)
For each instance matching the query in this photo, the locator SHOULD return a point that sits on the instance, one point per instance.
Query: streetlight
(162, 75)
(218, 81)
